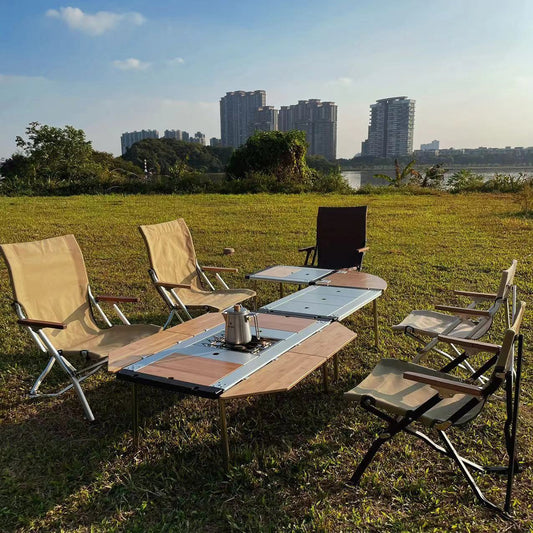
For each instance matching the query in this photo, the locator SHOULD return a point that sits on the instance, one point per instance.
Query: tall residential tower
(318, 120)
(242, 113)
(390, 133)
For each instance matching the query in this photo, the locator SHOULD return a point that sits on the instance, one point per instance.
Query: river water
(359, 178)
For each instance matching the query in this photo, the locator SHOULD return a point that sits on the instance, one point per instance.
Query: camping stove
(255, 346)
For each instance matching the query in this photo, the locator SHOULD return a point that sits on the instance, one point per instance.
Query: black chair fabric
(340, 231)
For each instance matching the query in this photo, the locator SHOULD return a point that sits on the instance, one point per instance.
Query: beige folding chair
(468, 322)
(177, 276)
(402, 393)
(53, 300)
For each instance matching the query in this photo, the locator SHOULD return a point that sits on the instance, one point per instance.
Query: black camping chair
(340, 238)
(401, 393)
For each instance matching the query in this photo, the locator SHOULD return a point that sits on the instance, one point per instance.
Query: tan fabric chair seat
(100, 344)
(433, 324)
(219, 299)
(386, 385)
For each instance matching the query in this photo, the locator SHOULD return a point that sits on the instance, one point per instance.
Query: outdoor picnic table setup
(232, 353)
(293, 337)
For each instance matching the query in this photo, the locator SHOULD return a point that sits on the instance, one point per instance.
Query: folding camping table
(191, 358)
(297, 334)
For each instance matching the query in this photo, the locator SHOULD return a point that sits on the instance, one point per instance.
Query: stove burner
(253, 347)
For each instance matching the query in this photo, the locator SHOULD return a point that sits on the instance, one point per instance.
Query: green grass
(292, 453)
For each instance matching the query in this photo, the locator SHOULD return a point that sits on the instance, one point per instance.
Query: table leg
(376, 332)
(325, 377)
(224, 433)
(336, 367)
(135, 415)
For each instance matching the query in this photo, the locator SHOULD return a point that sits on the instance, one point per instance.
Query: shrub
(465, 181)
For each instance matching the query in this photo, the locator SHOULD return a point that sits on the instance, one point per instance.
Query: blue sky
(115, 66)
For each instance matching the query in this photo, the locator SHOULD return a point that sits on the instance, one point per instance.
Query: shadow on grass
(52, 458)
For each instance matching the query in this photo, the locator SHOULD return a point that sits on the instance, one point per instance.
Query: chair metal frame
(173, 301)
(485, 317)
(509, 377)
(167, 289)
(76, 376)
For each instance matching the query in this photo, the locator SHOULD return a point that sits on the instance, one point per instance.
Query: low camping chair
(468, 322)
(401, 393)
(340, 238)
(177, 276)
(53, 301)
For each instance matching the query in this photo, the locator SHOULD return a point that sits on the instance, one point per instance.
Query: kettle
(238, 325)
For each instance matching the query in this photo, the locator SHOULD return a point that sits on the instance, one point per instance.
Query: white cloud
(176, 61)
(342, 82)
(96, 24)
(130, 64)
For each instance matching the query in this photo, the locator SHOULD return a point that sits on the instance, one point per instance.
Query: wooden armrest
(463, 310)
(39, 324)
(477, 295)
(444, 384)
(110, 298)
(306, 249)
(219, 269)
(168, 285)
(365, 249)
(468, 343)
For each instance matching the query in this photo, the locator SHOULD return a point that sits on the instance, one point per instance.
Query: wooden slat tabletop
(289, 369)
(353, 279)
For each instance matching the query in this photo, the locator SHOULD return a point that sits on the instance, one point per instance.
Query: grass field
(292, 453)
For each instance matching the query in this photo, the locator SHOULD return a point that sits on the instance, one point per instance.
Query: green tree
(278, 154)
(402, 176)
(57, 154)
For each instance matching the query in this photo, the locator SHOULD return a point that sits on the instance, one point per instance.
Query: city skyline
(108, 68)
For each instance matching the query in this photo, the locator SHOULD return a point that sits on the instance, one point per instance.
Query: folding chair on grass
(340, 238)
(177, 276)
(54, 302)
(402, 393)
(468, 322)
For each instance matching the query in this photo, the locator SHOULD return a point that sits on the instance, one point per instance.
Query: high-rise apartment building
(173, 134)
(318, 120)
(238, 115)
(129, 138)
(390, 133)
(266, 119)
(433, 145)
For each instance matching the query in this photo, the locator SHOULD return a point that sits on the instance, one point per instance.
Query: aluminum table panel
(198, 346)
(290, 274)
(322, 302)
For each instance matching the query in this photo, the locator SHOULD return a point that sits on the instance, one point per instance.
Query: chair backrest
(505, 358)
(50, 282)
(506, 281)
(339, 232)
(171, 252)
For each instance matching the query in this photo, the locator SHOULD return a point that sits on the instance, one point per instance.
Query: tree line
(61, 161)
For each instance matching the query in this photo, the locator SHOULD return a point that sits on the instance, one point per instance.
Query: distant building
(199, 138)
(266, 119)
(129, 138)
(173, 134)
(185, 136)
(433, 145)
(390, 133)
(215, 142)
(318, 120)
(239, 116)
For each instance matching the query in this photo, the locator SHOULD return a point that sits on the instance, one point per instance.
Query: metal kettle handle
(256, 321)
